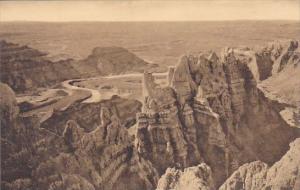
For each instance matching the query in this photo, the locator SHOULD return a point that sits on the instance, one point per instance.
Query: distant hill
(111, 60)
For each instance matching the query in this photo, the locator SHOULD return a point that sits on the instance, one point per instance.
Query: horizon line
(227, 20)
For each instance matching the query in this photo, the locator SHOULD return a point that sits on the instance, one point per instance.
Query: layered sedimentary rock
(250, 121)
(176, 125)
(235, 121)
(192, 178)
(284, 174)
(218, 113)
(160, 133)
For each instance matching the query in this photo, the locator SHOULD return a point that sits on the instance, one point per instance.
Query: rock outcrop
(192, 178)
(212, 112)
(284, 174)
(160, 133)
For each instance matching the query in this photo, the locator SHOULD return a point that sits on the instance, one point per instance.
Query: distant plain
(156, 42)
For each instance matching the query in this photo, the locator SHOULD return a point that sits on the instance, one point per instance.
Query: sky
(155, 10)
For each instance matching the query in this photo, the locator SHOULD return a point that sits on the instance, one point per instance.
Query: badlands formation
(215, 125)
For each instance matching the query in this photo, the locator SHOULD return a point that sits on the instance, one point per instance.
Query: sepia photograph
(150, 95)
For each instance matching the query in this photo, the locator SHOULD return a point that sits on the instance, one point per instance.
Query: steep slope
(284, 174)
(275, 68)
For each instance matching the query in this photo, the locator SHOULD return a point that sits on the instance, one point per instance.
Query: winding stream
(95, 94)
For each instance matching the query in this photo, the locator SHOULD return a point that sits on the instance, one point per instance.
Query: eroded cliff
(212, 111)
